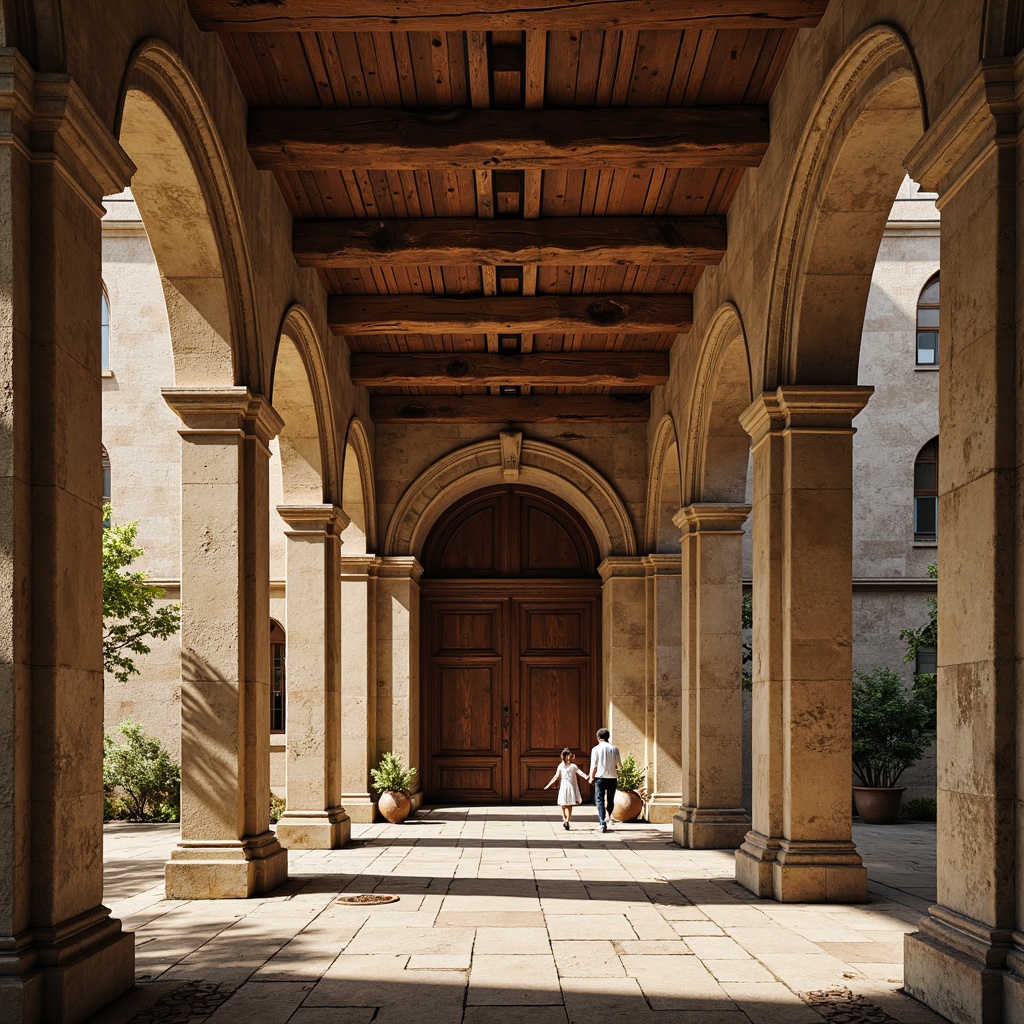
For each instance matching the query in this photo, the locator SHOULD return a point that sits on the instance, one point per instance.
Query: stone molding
(480, 465)
(623, 567)
(981, 118)
(223, 411)
(356, 439)
(664, 438)
(50, 120)
(821, 409)
(711, 517)
(358, 568)
(320, 520)
(399, 567)
(663, 565)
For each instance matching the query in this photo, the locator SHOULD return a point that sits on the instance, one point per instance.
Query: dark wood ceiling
(509, 205)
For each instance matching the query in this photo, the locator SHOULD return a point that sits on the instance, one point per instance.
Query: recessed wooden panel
(562, 629)
(552, 702)
(472, 547)
(548, 547)
(466, 703)
(459, 630)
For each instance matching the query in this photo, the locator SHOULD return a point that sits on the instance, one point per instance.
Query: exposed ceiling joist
(466, 241)
(482, 15)
(494, 369)
(351, 139)
(542, 314)
(508, 408)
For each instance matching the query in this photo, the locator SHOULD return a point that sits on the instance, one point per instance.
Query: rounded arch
(540, 465)
(191, 211)
(717, 446)
(664, 490)
(848, 168)
(358, 497)
(300, 393)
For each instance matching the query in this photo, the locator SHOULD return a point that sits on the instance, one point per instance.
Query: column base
(663, 807)
(799, 871)
(710, 828)
(314, 830)
(956, 966)
(231, 869)
(65, 973)
(361, 807)
(754, 860)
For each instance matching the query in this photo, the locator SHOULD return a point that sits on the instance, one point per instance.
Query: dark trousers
(604, 797)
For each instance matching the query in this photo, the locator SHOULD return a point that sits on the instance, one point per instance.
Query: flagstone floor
(504, 918)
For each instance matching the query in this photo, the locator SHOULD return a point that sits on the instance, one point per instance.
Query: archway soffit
(665, 437)
(357, 440)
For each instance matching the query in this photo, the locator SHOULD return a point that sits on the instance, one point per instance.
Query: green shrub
(390, 777)
(139, 776)
(276, 808)
(630, 775)
(747, 622)
(115, 808)
(924, 808)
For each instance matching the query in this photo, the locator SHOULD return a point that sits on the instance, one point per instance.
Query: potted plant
(891, 730)
(392, 783)
(629, 794)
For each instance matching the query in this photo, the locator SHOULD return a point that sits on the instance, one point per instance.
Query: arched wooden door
(511, 645)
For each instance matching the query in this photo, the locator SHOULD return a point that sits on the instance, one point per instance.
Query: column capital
(355, 568)
(661, 564)
(319, 519)
(221, 410)
(981, 118)
(711, 517)
(817, 407)
(400, 567)
(622, 566)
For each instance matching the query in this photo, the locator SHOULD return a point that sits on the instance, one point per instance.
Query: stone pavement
(504, 917)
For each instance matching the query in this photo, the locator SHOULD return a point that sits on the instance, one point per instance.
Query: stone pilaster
(61, 954)
(711, 816)
(314, 818)
(664, 687)
(398, 662)
(624, 654)
(358, 683)
(227, 849)
(967, 959)
(800, 847)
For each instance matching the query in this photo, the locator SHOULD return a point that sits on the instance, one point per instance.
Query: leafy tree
(129, 618)
(924, 637)
(142, 769)
(748, 652)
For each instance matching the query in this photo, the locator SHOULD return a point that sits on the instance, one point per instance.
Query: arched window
(926, 492)
(105, 497)
(928, 324)
(104, 332)
(277, 677)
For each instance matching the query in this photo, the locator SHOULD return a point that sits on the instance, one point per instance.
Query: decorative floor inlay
(191, 1003)
(368, 899)
(841, 1006)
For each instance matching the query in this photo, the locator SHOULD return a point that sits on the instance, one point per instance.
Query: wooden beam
(517, 15)
(555, 241)
(493, 369)
(348, 139)
(554, 314)
(508, 408)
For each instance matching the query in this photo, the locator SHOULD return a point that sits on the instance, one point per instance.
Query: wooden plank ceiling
(509, 205)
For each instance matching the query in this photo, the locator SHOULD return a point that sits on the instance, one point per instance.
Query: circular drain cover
(368, 899)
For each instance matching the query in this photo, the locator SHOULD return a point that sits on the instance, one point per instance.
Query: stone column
(664, 685)
(398, 663)
(624, 653)
(967, 959)
(61, 954)
(315, 818)
(711, 815)
(226, 849)
(358, 683)
(800, 847)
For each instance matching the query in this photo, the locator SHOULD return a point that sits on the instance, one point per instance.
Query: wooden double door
(510, 644)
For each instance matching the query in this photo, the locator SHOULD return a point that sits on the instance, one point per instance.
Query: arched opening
(928, 324)
(278, 678)
(510, 644)
(926, 492)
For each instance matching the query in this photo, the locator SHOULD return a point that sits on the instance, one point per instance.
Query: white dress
(568, 787)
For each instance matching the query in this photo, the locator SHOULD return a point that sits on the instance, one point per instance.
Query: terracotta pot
(878, 806)
(628, 805)
(395, 806)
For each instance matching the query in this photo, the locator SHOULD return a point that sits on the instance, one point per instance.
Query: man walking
(604, 760)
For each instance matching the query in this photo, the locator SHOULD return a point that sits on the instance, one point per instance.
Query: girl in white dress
(567, 776)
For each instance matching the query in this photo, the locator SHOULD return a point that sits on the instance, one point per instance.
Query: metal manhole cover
(368, 899)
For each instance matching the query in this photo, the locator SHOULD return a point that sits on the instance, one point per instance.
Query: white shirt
(604, 759)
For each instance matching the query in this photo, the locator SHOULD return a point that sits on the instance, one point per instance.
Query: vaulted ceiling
(509, 204)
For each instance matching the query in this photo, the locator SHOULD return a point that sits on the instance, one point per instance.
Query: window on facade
(926, 492)
(104, 332)
(926, 662)
(277, 677)
(928, 324)
(105, 497)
